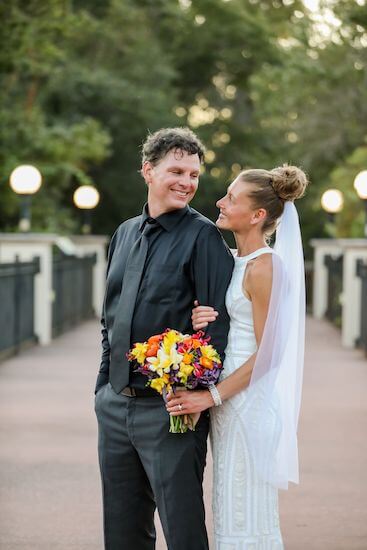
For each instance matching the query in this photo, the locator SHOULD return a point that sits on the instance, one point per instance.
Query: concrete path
(49, 479)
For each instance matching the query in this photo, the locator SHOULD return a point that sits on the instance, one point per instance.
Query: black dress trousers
(143, 466)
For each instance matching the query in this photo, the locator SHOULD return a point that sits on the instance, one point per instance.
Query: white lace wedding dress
(245, 508)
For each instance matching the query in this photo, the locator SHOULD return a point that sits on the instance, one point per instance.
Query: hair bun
(289, 182)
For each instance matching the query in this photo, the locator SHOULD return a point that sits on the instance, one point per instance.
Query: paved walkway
(49, 479)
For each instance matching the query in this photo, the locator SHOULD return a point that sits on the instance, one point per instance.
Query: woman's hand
(191, 402)
(202, 316)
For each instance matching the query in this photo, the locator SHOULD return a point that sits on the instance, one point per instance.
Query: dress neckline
(254, 254)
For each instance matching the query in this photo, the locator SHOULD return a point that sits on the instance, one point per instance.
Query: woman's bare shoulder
(259, 272)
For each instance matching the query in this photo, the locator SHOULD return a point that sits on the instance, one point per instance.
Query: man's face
(173, 182)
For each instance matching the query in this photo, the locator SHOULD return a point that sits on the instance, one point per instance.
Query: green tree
(350, 221)
(33, 50)
(313, 108)
(260, 82)
(74, 83)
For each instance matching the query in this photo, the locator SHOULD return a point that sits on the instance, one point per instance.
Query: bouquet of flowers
(174, 361)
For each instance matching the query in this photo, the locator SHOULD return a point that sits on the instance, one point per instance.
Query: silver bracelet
(215, 395)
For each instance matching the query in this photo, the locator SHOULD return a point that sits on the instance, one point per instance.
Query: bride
(255, 405)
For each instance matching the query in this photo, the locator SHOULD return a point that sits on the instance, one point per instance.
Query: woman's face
(236, 211)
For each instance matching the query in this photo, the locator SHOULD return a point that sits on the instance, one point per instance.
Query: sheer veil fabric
(276, 382)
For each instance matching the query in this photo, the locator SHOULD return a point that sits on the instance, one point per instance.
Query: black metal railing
(309, 275)
(17, 305)
(334, 266)
(73, 291)
(362, 273)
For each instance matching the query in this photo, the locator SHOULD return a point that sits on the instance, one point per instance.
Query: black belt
(135, 392)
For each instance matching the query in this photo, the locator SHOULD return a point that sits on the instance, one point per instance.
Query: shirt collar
(168, 220)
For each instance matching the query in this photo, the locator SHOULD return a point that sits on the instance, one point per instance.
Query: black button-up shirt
(187, 259)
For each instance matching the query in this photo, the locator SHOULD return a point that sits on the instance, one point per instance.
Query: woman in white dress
(255, 406)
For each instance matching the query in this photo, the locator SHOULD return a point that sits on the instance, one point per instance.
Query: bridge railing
(72, 278)
(17, 305)
(362, 273)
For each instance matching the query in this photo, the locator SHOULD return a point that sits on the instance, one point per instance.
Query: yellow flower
(169, 340)
(184, 372)
(159, 383)
(210, 353)
(161, 363)
(167, 356)
(138, 352)
(185, 369)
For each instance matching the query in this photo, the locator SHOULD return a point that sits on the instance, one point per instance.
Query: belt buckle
(129, 392)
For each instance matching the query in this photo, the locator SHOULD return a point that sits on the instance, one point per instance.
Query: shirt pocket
(161, 283)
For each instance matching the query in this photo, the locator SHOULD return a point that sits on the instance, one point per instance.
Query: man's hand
(202, 316)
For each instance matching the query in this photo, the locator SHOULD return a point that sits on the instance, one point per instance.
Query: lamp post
(25, 180)
(360, 185)
(332, 202)
(86, 197)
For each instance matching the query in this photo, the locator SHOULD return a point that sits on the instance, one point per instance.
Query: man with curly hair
(159, 263)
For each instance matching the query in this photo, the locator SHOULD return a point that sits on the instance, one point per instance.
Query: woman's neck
(246, 244)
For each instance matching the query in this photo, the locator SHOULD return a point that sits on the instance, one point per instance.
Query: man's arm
(212, 270)
(103, 374)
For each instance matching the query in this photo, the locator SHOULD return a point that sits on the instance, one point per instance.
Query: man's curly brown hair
(157, 145)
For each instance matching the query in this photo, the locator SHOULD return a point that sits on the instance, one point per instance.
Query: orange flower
(187, 342)
(154, 339)
(195, 343)
(187, 359)
(205, 362)
(152, 350)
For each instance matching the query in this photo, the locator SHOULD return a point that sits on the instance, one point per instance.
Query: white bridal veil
(276, 382)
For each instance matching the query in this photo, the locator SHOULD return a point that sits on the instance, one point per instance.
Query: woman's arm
(258, 282)
(257, 285)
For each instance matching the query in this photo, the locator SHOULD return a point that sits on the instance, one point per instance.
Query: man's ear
(146, 172)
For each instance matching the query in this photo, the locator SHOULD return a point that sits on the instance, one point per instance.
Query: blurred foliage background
(261, 82)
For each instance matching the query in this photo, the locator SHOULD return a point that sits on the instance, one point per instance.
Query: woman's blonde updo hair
(270, 189)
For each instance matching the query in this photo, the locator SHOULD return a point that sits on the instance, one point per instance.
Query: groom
(159, 263)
